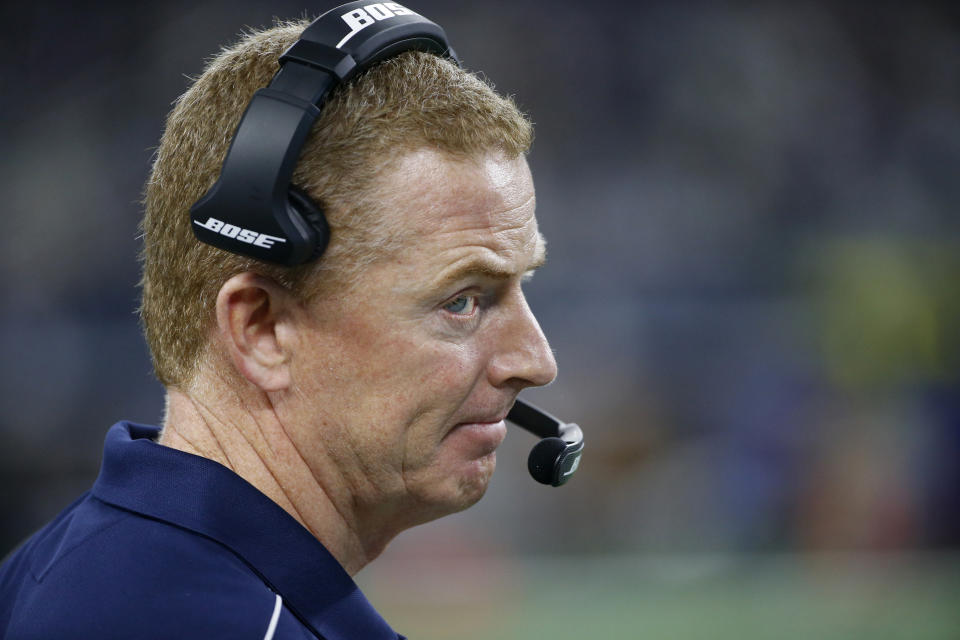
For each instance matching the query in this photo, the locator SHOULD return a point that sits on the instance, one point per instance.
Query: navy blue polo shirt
(171, 545)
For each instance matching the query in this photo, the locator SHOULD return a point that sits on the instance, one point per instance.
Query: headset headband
(252, 209)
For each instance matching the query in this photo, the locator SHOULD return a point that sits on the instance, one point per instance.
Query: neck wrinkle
(245, 435)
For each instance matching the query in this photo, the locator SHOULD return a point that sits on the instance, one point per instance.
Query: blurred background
(753, 291)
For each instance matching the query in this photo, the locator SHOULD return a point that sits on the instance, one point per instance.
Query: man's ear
(252, 312)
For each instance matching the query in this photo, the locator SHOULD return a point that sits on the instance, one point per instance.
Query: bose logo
(576, 463)
(360, 19)
(243, 235)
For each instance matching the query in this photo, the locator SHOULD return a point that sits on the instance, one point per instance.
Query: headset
(554, 459)
(254, 210)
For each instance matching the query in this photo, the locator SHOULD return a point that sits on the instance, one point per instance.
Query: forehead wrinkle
(503, 230)
(460, 220)
(487, 266)
(456, 218)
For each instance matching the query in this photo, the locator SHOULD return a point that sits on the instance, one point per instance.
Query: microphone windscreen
(543, 458)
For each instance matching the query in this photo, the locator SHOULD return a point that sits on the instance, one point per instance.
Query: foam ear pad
(542, 462)
(312, 214)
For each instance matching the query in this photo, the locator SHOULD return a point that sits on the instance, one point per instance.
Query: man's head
(383, 372)
(412, 101)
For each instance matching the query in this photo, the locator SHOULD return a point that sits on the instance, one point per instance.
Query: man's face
(402, 383)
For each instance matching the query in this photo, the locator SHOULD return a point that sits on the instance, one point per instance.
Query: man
(313, 412)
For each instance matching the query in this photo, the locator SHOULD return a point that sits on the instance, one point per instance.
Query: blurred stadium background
(753, 290)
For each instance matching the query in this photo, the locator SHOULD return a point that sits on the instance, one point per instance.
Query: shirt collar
(205, 497)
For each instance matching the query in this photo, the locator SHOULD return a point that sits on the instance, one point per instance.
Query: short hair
(408, 102)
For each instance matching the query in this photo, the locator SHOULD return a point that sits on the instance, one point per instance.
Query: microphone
(554, 459)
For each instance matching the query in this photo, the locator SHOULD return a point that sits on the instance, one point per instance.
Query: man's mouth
(481, 436)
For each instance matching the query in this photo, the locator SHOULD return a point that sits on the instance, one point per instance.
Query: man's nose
(523, 357)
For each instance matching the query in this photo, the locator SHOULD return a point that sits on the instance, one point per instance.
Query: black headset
(253, 210)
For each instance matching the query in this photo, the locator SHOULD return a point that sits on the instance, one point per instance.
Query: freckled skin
(391, 379)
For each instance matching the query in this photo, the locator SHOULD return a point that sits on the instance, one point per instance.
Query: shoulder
(104, 572)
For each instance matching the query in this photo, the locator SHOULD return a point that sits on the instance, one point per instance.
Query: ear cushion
(313, 216)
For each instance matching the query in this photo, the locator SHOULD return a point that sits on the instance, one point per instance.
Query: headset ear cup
(313, 216)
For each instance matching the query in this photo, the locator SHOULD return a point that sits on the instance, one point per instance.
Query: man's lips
(490, 415)
(485, 419)
(479, 423)
(486, 433)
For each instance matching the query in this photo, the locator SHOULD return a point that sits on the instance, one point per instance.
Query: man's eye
(462, 305)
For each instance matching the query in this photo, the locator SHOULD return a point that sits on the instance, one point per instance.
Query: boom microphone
(554, 459)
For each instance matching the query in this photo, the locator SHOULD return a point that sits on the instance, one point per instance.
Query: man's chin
(474, 483)
(461, 488)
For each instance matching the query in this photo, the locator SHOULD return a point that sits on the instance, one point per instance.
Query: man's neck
(248, 438)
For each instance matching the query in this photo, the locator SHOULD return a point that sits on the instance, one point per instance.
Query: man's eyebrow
(489, 269)
(539, 253)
